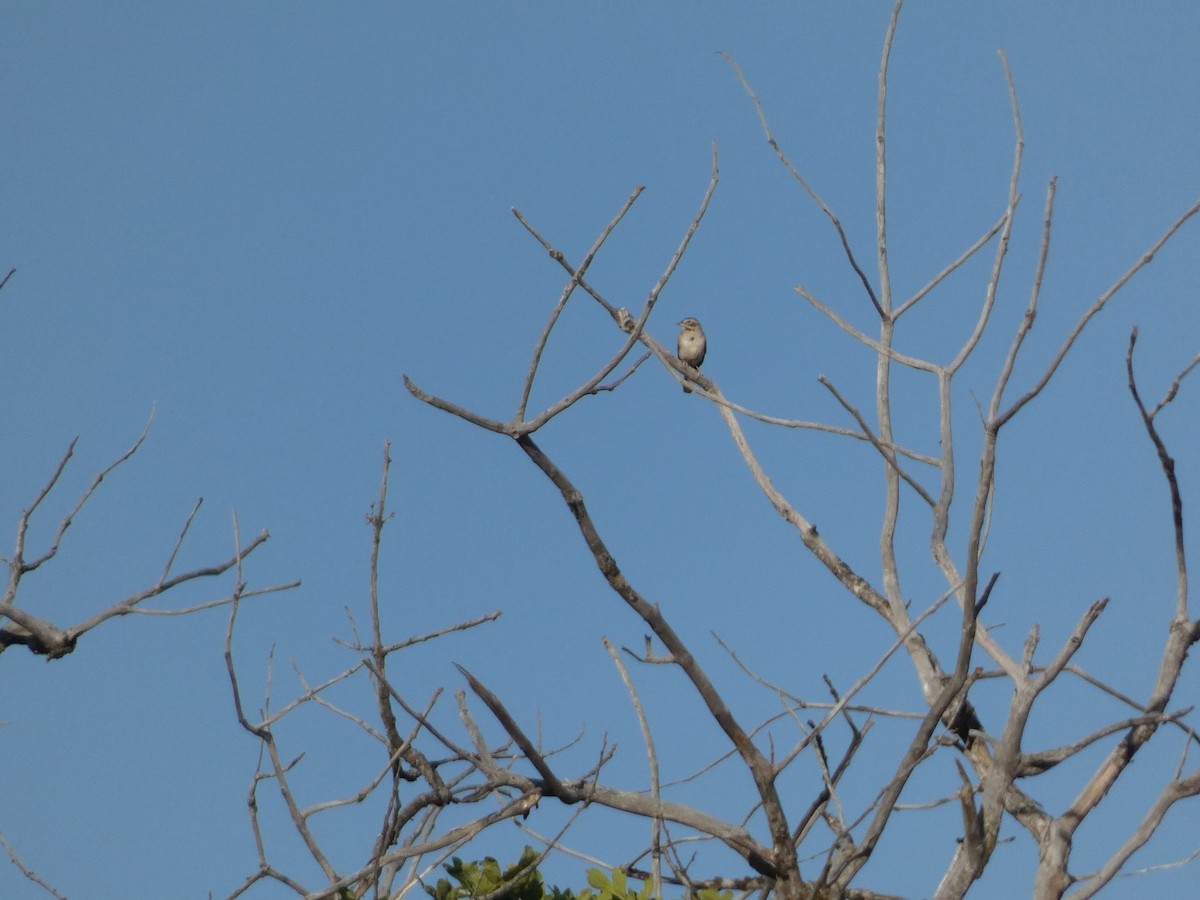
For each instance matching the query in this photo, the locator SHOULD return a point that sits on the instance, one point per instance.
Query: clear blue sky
(254, 218)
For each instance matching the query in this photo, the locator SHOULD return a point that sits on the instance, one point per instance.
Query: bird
(692, 345)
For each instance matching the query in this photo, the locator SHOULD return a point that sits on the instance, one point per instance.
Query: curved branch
(834, 220)
(759, 766)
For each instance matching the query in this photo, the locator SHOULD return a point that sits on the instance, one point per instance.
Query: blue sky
(255, 218)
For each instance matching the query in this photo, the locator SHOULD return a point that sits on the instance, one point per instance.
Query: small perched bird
(692, 345)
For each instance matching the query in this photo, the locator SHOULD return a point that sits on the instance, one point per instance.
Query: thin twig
(950, 269)
(884, 304)
(888, 457)
(1035, 293)
(87, 495)
(1014, 198)
(652, 762)
(762, 117)
(1167, 462)
(1101, 302)
(12, 854)
(883, 349)
(576, 278)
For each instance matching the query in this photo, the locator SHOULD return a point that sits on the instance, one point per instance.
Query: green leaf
(599, 881)
(620, 884)
(490, 878)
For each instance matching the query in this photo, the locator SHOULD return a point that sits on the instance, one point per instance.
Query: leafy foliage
(523, 881)
(616, 888)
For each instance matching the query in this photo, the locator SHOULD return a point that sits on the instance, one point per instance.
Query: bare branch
(561, 259)
(885, 452)
(759, 767)
(613, 385)
(179, 543)
(687, 238)
(17, 566)
(442, 632)
(1031, 310)
(576, 278)
(762, 117)
(1174, 792)
(1043, 761)
(950, 269)
(519, 426)
(1014, 198)
(1168, 466)
(526, 746)
(1175, 385)
(1101, 302)
(456, 410)
(857, 585)
(70, 517)
(879, 347)
(884, 305)
(130, 604)
(12, 854)
(635, 333)
(652, 762)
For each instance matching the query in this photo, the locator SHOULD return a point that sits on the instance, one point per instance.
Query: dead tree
(999, 774)
(42, 632)
(45, 638)
(431, 794)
